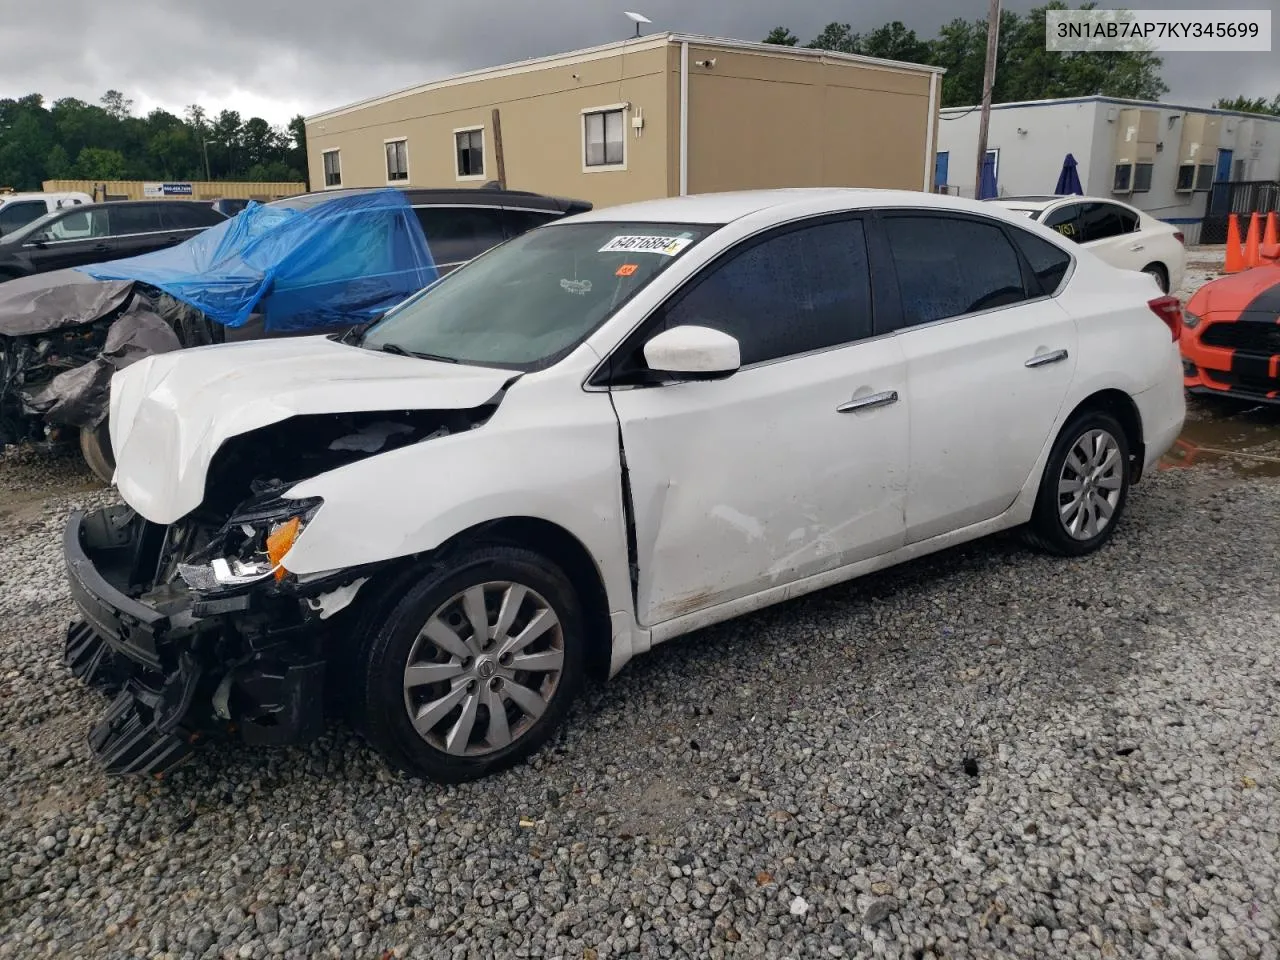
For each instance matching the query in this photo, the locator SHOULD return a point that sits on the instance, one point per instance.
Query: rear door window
(184, 217)
(458, 234)
(522, 221)
(1048, 263)
(20, 213)
(948, 267)
(128, 218)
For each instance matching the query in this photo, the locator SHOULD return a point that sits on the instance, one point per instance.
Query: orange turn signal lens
(279, 542)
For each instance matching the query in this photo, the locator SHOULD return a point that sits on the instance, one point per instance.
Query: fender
(554, 462)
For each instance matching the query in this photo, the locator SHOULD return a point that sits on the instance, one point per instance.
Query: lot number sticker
(664, 246)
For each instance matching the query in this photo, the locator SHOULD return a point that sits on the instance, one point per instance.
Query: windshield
(526, 303)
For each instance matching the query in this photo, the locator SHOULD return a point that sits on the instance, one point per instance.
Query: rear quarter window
(1048, 262)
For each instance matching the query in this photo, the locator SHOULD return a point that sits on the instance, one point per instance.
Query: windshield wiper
(400, 351)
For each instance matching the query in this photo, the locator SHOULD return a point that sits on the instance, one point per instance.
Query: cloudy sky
(277, 58)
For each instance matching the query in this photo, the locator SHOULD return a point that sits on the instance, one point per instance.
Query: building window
(1123, 182)
(1142, 177)
(332, 169)
(469, 149)
(397, 160)
(1204, 177)
(604, 144)
(1186, 178)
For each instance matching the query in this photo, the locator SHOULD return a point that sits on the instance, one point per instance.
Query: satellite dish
(637, 19)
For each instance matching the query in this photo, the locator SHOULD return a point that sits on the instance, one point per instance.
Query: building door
(990, 175)
(940, 165)
(1220, 198)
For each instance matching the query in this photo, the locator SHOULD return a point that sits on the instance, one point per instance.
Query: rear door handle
(1042, 359)
(1136, 247)
(100, 248)
(867, 402)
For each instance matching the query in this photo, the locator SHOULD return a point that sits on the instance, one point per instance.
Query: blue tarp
(342, 260)
(1069, 179)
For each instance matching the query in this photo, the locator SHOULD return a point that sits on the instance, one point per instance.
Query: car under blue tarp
(343, 260)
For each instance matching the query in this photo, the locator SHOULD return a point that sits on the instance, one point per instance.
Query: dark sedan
(98, 232)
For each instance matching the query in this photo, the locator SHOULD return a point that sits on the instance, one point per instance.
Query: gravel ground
(988, 753)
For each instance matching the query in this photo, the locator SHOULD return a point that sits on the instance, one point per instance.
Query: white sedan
(597, 437)
(1122, 235)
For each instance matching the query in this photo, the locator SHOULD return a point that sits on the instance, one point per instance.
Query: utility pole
(206, 159)
(988, 82)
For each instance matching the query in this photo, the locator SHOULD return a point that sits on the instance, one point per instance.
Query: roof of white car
(727, 207)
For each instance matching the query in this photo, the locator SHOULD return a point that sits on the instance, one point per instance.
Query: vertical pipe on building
(684, 118)
(928, 137)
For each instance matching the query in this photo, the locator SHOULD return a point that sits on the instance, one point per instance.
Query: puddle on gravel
(1247, 440)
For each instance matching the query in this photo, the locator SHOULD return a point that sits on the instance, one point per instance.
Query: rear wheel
(1158, 273)
(474, 668)
(1084, 488)
(95, 448)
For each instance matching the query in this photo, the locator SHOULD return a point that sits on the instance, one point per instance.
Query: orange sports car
(1231, 337)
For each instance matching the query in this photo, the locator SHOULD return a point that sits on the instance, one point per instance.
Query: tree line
(1251, 105)
(1025, 70)
(75, 140)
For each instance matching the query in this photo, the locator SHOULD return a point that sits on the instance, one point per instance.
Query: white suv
(1122, 235)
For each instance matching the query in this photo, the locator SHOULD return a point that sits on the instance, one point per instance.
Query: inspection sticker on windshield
(665, 246)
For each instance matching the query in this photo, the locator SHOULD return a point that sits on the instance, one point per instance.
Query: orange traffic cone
(1235, 259)
(1269, 237)
(1251, 241)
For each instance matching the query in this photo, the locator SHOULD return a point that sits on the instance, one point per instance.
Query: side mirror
(39, 240)
(693, 353)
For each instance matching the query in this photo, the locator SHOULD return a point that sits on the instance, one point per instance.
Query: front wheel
(475, 667)
(95, 448)
(1084, 488)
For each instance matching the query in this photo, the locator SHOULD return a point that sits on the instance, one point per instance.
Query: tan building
(651, 117)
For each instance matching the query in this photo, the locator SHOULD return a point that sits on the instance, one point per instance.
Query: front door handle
(1041, 359)
(1136, 247)
(867, 402)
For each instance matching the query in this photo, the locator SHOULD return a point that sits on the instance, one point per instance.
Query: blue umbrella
(1069, 180)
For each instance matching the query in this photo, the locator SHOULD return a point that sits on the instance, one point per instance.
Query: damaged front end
(196, 629)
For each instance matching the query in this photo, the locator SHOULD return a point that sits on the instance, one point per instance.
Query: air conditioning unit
(1122, 182)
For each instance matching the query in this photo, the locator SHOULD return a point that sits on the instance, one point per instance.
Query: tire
(1159, 273)
(1052, 521)
(95, 448)
(452, 688)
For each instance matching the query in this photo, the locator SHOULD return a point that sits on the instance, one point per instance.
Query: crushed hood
(171, 412)
(60, 298)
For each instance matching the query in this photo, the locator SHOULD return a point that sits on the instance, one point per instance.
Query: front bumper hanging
(177, 673)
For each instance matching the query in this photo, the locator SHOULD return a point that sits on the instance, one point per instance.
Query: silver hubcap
(483, 668)
(1090, 485)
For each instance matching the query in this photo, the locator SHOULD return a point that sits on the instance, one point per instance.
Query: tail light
(1168, 309)
(1180, 238)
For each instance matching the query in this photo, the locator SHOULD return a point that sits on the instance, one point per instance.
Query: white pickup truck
(19, 209)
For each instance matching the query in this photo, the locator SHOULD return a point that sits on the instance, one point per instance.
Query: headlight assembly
(253, 545)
